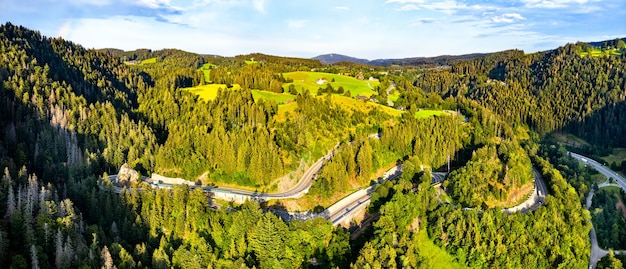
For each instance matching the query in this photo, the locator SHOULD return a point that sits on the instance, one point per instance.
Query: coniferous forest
(70, 117)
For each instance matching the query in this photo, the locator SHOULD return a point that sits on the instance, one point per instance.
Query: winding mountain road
(345, 208)
(300, 189)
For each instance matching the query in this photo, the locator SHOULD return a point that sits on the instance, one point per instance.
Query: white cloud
(342, 8)
(449, 7)
(508, 18)
(259, 5)
(296, 24)
(408, 7)
(552, 3)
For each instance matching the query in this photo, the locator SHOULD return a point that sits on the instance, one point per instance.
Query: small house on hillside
(321, 81)
(361, 97)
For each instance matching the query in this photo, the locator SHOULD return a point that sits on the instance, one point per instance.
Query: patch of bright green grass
(357, 105)
(394, 96)
(308, 81)
(149, 61)
(251, 62)
(209, 91)
(284, 111)
(425, 113)
(206, 71)
(617, 156)
(595, 52)
(279, 98)
(434, 256)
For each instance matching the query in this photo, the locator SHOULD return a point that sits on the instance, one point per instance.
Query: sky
(370, 29)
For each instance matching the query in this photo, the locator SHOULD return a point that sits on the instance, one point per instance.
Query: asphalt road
(300, 188)
(358, 200)
(602, 169)
(596, 252)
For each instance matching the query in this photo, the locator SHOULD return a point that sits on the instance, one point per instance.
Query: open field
(279, 98)
(206, 70)
(287, 103)
(209, 92)
(283, 110)
(595, 52)
(569, 139)
(394, 96)
(433, 253)
(347, 102)
(425, 113)
(618, 155)
(149, 61)
(308, 81)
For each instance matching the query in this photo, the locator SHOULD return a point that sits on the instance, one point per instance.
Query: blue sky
(360, 28)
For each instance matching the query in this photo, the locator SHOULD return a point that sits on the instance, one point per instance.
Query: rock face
(126, 175)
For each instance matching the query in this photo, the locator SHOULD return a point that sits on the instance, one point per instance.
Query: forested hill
(577, 88)
(63, 105)
(69, 116)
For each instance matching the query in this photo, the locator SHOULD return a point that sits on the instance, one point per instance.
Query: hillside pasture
(206, 71)
(425, 113)
(149, 61)
(209, 91)
(617, 156)
(596, 52)
(279, 98)
(308, 81)
(365, 107)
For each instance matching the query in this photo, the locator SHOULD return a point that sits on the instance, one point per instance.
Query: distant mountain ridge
(334, 58)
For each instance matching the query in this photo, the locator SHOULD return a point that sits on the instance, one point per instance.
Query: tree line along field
(308, 81)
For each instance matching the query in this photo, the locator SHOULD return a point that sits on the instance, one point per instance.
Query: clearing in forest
(312, 81)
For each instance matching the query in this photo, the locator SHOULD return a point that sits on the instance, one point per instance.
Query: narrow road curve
(596, 252)
(535, 199)
(301, 188)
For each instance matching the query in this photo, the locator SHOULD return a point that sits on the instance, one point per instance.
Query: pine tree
(107, 260)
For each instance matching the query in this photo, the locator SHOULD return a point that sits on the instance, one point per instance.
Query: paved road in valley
(301, 188)
(596, 252)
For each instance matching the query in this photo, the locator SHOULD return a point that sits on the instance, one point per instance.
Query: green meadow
(596, 52)
(308, 81)
(149, 61)
(206, 70)
(394, 96)
(435, 256)
(279, 98)
(209, 91)
(617, 156)
(425, 113)
(365, 107)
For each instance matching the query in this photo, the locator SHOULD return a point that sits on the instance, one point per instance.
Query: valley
(262, 161)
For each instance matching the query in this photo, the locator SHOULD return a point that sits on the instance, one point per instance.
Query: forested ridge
(548, 91)
(71, 116)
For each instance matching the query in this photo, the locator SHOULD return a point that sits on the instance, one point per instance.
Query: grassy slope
(280, 98)
(206, 70)
(307, 81)
(347, 102)
(434, 256)
(595, 52)
(149, 61)
(209, 91)
(617, 156)
(425, 113)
